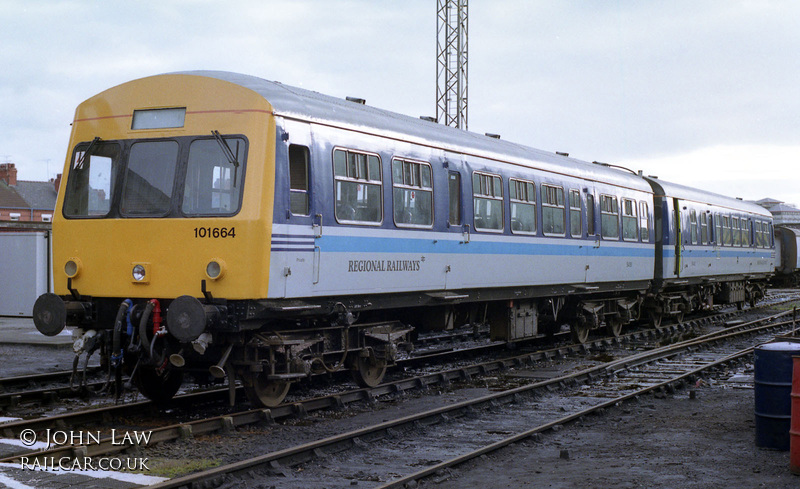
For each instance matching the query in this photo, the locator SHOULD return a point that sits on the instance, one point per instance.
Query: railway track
(462, 427)
(432, 354)
(191, 402)
(49, 388)
(227, 422)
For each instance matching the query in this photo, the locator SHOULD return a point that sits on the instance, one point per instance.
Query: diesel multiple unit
(225, 225)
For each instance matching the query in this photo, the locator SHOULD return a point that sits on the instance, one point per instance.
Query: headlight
(72, 267)
(215, 269)
(139, 273)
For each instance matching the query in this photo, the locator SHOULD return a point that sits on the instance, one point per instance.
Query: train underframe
(268, 345)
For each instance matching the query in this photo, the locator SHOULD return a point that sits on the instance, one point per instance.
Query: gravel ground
(669, 442)
(707, 442)
(34, 359)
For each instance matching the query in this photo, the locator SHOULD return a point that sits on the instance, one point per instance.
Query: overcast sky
(704, 93)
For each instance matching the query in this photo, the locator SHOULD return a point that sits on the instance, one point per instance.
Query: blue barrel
(773, 388)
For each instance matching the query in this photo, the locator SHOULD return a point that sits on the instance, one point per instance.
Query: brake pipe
(156, 315)
(116, 351)
(143, 327)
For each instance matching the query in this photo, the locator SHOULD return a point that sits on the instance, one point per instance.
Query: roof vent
(428, 118)
(493, 136)
(357, 100)
(561, 153)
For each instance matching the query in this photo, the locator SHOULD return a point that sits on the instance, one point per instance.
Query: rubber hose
(143, 327)
(116, 344)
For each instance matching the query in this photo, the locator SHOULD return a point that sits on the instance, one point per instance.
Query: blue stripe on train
(360, 244)
(363, 244)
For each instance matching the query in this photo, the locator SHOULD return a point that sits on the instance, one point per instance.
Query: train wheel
(614, 326)
(369, 372)
(159, 388)
(655, 318)
(261, 391)
(579, 330)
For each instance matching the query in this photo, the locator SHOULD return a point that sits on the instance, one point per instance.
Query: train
(223, 226)
(787, 267)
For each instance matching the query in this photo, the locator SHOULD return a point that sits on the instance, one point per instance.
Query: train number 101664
(214, 232)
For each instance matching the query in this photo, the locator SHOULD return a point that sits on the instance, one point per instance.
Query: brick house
(26, 201)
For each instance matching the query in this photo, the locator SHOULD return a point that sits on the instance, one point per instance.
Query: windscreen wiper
(88, 152)
(226, 150)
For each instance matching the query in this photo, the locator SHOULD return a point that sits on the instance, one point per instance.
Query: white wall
(23, 271)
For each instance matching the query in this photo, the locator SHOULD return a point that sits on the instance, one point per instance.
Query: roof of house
(10, 199)
(783, 208)
(38, 195)
(768, 202)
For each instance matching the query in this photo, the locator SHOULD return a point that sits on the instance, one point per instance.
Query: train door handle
(466, 233)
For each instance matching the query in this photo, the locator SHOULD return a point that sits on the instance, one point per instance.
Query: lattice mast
(451, 63)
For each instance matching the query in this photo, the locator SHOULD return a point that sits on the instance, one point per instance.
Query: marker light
(138, 273)
(215, 269)
(72, 267)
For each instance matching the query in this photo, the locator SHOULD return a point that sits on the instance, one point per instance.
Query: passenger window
(412, 193)
(609, 217)
(575, 224)
(213, 183)
(746, 231)
(522, 195)
(718, 228)
(736, 231)
(727, 238)
(644, 219)
(703, 228)
(298, 180)
(693, 226)
(454, 188)
(629, 220)
(758, 237)
(553, 211)
(358, 187)
(487, 191)
(590, 215)
(770, 235)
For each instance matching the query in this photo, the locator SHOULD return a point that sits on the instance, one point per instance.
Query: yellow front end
(135, 256)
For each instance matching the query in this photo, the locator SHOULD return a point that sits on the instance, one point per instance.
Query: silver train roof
(695, 195)
(312, 106)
